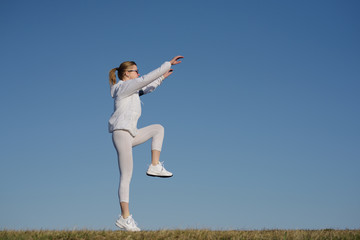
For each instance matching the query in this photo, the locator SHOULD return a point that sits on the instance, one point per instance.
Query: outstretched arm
(151, 87)
(131, 86)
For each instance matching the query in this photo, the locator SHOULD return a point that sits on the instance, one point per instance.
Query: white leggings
(124, 142)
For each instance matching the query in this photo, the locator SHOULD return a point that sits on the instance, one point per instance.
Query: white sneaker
(127, 224)
(158, 171)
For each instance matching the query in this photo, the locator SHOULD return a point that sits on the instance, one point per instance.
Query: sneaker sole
(152, 175)
(120, 226)
(124, 228)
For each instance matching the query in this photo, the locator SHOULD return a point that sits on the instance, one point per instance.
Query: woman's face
(132, 72)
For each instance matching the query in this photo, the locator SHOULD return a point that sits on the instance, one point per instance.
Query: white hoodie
(127, 105)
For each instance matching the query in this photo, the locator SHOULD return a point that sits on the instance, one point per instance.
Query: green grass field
(201, 234)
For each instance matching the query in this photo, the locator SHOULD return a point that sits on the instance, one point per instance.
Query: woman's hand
(176, 60)
(173, 61)
(168, 73)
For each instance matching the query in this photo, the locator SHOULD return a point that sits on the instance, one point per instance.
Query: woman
(123, 126)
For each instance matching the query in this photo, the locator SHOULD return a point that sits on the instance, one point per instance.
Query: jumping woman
(123, 126)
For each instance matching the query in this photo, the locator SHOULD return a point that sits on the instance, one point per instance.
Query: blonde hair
(121, 71)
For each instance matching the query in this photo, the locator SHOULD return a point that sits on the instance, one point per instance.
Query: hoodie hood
(114, 88)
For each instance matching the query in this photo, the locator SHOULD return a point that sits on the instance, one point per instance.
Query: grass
(201, 234)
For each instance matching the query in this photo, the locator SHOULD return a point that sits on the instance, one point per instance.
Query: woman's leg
(156, 132)
(155, 157)
(123, 143)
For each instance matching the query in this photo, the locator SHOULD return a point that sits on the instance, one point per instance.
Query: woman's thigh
(148, 132)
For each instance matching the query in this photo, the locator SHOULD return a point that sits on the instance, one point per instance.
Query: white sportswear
(127, 104)
(123, 122)
(124, 142)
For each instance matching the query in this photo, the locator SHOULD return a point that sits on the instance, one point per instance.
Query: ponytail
(112, 76)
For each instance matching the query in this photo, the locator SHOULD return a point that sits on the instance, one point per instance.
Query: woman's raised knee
(159, 128)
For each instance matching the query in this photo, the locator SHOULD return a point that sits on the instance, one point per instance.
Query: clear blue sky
(261, 118)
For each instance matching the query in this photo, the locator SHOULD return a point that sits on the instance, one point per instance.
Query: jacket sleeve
(151, 87)
(133, 85)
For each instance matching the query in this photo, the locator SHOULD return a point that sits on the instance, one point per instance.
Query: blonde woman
(123, 126)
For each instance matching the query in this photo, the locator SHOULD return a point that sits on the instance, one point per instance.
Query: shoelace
(135, 223)
(131, 221)
(162, 165)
